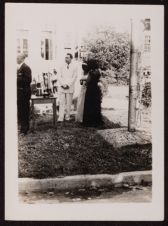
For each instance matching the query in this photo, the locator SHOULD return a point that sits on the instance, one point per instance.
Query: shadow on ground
(71, 149)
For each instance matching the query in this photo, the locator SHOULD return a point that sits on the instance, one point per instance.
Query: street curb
(85, 181)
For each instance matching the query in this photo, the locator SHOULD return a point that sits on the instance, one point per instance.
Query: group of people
(88, 101)
(90, 96)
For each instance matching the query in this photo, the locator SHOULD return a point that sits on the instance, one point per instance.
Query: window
(22, 42)
(25, 46)
(147, 25)
(47, 45)
(147, 43)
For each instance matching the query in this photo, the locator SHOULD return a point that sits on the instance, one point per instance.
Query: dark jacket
(24, 78)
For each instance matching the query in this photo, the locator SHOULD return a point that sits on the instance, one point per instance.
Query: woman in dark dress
(93, 97)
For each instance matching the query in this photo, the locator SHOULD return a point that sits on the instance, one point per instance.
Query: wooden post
(132, 81)
(54, 113)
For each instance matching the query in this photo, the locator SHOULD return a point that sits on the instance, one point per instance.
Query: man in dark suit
(24, 78)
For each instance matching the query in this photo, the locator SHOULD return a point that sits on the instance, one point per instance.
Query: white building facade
(46, 46)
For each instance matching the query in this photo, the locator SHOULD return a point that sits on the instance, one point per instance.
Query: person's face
(20, 59)
(68, 59)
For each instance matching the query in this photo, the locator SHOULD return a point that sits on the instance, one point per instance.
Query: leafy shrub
(146, 94)
(112, 50)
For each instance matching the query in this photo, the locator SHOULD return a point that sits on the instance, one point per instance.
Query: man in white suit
(66, 77)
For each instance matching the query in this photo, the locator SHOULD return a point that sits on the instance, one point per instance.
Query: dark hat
(93, 64)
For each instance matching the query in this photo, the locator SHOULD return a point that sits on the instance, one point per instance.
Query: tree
(111, 49)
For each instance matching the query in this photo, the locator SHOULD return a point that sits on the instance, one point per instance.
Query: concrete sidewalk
(85, 181)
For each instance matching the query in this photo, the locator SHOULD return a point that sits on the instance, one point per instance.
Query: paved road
(115, 108)
(117, 195)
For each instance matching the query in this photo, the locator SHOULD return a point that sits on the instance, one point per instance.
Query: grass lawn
(72, 149)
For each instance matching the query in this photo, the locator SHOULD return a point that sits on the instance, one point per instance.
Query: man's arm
(28, 75)
(60, 79)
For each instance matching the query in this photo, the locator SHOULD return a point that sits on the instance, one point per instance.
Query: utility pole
(133, 80)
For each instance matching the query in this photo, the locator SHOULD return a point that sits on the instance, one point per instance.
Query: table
(45, 100)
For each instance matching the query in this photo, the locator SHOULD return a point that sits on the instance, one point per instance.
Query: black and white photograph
(84, 112)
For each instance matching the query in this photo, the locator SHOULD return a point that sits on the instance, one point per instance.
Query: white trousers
(65, 102)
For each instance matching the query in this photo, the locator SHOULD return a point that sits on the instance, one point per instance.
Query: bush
(112, 50)
(146, 95)
(109, 77)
